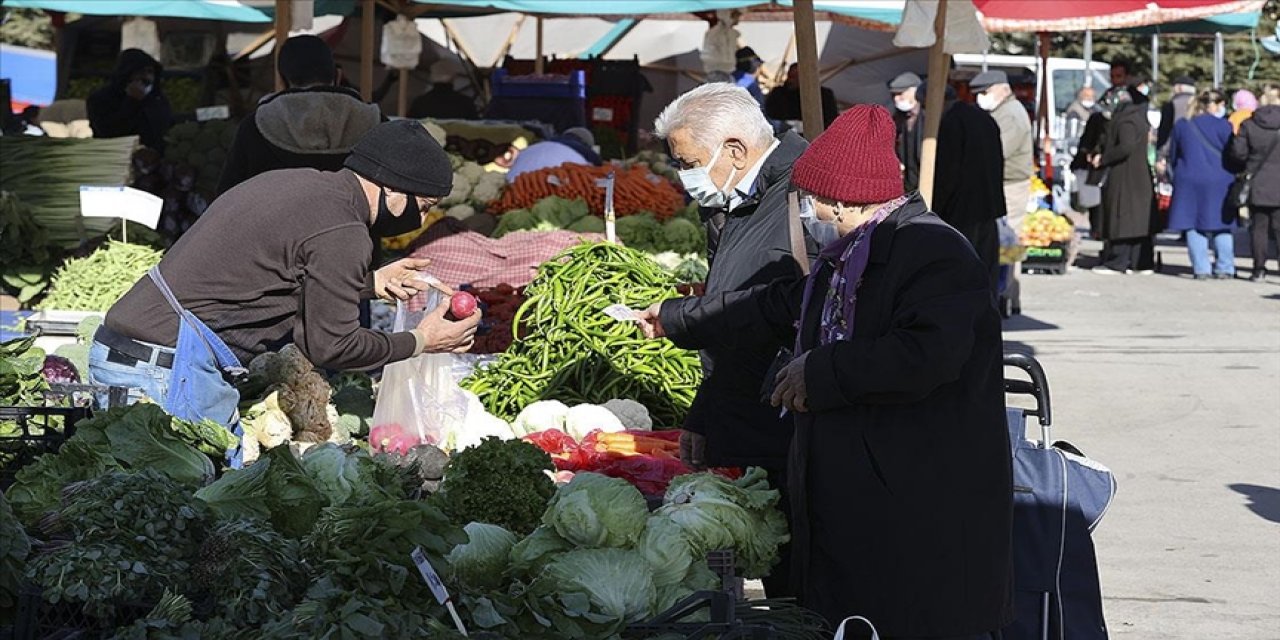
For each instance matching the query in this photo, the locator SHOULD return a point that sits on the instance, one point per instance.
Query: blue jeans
(1224, 249)
(142, 379)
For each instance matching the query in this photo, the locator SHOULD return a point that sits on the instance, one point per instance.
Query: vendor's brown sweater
(283, 257)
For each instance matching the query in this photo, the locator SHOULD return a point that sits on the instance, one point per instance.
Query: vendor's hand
(1095, 160)
(790, 392)
(442, 335)
(693, 449)
(400, 280)
(651, 321)
(136, 89)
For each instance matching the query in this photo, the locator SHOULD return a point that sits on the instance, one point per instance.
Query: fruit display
(1043, 227)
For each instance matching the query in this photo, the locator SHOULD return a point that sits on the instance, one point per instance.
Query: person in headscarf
(132, 104)
(1243, 104)
(1128, 198)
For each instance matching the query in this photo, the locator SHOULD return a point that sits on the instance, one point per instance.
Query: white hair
(715, 112)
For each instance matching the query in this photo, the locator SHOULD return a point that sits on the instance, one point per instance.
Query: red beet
(462, 305)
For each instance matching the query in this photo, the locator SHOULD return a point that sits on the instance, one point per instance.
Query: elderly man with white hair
(731, 163)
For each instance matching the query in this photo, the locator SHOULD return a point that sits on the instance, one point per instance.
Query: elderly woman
(900, 466)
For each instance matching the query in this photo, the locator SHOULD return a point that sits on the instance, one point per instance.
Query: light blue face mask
(823, 232)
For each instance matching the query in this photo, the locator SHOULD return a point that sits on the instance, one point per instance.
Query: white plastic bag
(720, 45)
(401, 44)
(964, 32)
(875, 635)
(141, 33)
(419, 399)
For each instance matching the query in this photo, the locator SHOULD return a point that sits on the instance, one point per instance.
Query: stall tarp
(1024, 16)
(226, 10)
(1227, 23)
(597, 7)
(32, 75)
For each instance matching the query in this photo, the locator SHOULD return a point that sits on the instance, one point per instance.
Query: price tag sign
(220, 112)
(602, 114)
(429, 575)
(621, 313)
(120, 202)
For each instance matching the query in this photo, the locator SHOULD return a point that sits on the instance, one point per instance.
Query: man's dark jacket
(901, 470)
(969, 179)
(748, 246)
(114, 114)
(298, 129)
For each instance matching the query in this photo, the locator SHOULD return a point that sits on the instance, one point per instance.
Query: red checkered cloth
(460, 256)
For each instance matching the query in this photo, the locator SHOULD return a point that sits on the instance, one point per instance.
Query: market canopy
(227, 10)
(888, 12)
(1024, 16)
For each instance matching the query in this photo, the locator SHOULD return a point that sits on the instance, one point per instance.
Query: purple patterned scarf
(849, 255)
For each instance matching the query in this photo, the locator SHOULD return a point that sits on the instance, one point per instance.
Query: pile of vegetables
(567, 349)
(657, 162)
(474, 189)
(203, 147)
(635, 189)
(500, 304)
(97, 281)
(26, 257)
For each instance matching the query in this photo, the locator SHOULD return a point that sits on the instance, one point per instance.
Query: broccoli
(681, 236)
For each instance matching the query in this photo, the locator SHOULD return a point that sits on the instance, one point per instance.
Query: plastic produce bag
(401, 44)
(1012, 250)
(720, 45)
(419, 400)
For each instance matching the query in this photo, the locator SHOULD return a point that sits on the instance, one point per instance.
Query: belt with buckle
(122, 349)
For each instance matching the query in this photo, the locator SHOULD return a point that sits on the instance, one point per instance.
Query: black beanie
(306, 60)
(402, 156)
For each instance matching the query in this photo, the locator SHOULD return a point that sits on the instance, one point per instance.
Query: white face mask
(987, 101)
(146, 89)
(697, 182)
(823, 232)
(904, 106)
(1088, 104)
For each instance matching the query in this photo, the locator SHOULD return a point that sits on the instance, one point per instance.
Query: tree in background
(26, 28)
(1190, 55)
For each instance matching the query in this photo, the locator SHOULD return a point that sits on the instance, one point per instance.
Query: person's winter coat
(1252, 150)
(298, 128)
(1173, 111)
(968, 189)
(1091, 141)
(113, 113)
(909, 145)
(748, 246)
(1127, 196)
(901, 477)
(1201, 179)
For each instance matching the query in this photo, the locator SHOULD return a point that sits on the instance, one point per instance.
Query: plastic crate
(1050, 259)
(39, 620)
(35, 431)
(570, 86)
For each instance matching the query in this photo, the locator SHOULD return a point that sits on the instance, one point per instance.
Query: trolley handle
(1037, 387)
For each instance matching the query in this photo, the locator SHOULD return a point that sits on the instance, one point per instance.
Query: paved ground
(1174, 384)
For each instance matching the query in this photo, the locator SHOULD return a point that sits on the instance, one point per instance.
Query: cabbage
(699, 578)
(597, 511)
(667, 550)
(480, 563)
(608, 587)
(717, 513)
(345, 475)
(529, 555)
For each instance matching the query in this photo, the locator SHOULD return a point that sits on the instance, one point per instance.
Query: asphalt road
(1175, 385)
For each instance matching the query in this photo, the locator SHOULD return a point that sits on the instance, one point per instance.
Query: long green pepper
(566, 349)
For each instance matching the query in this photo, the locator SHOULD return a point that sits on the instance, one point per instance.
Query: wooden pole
(366, 51)
(511, 40)
(934, 100)
(402, 105)
(284, 17)
(807, 56)
(538, 67)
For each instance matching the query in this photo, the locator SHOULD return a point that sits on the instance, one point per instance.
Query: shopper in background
(442, 101)
(731, 163)
(783, 103)
(1089, 145)
(1128, 198)
(1257, 150)
(968, 189)
(1177, 108)
(1079, 111)
(1120, 72)
(574, 146)
(1201, 180)
(1243, 104)
(312, 124)
(744, 74)
(132, 104)
(909, 127)
(900, 465)
(996, 96)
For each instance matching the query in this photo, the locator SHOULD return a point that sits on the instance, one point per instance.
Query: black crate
(40, 620)
(1050, 259)
(32, 432)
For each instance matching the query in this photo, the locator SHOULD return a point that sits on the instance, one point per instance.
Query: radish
(462, 305)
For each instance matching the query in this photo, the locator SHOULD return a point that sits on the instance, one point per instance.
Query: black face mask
(388, 225)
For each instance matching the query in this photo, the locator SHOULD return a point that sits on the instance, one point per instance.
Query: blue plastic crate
(571, 86)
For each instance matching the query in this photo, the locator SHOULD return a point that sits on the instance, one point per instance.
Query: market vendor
(739, 173)
(284, 257)
(901, 479)
(575, 146)
(132, 104)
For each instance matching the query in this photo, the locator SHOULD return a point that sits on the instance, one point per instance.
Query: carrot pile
(635, 189)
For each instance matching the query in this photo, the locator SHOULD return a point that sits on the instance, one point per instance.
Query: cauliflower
(488, 188)
(479, 424)
(265, 426)
(461, 211)
(437, 132)
(540, 416)
(460, 193)
(585, 418)
(668, 260)
(471, 172)
(630, 413)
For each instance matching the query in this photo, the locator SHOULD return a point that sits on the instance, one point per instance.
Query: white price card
(621, 313)
(220, 112)
(120, 202)
(429, 575)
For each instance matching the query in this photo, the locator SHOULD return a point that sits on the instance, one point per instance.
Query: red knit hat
(853, 161)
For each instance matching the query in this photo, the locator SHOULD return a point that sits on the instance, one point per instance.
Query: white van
(1066, 76)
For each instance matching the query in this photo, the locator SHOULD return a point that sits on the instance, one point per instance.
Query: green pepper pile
(567, 349)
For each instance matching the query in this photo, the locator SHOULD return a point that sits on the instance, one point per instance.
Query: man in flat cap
(910, 125)
(996, 96)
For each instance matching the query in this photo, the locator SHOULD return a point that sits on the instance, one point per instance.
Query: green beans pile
(95, 282)
(567, 349)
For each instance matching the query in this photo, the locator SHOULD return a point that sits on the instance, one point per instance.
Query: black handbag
(1242, 188)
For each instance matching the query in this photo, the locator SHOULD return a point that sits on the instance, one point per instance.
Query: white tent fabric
(964, 32)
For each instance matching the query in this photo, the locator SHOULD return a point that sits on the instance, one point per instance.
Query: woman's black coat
(901, 468)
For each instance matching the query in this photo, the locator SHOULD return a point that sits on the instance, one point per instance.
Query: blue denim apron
(202, 365)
